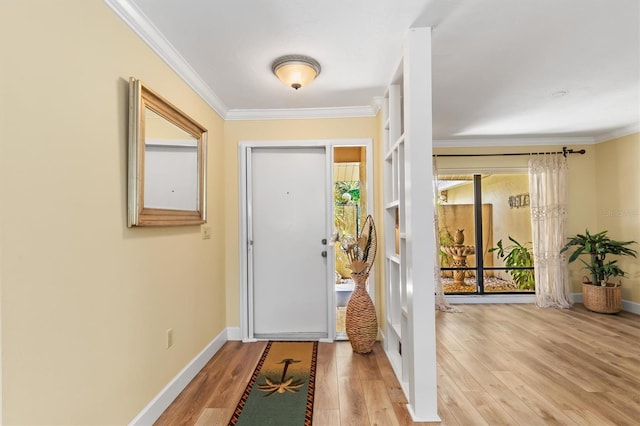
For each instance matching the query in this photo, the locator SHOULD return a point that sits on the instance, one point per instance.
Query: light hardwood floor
(497, 365)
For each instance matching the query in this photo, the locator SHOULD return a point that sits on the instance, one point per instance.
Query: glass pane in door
(511, 233)
(457, 233)
(349, 211)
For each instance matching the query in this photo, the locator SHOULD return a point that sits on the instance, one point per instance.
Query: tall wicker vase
(361, 322)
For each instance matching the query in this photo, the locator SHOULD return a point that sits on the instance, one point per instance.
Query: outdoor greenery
(597, 246)
(351, 188)
(346, 220)
(517, 255)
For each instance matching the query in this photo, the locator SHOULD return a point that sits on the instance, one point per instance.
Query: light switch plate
(206, 232)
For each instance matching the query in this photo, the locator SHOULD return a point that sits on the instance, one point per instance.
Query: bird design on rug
(285, 385)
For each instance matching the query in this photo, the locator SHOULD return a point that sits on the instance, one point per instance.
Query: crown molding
(376, 104)
(140, 24)
(618, 133)
(504, 141)
(300, 113)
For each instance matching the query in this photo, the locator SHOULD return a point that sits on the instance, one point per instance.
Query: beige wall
(617, 208)
(269, 130)
(86, 301)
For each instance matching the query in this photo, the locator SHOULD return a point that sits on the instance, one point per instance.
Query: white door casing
(248, 297)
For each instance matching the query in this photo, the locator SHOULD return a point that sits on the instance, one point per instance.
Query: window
(485, 234)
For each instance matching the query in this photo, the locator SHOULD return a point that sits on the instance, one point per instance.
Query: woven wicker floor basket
(361, 322)
(604, 300)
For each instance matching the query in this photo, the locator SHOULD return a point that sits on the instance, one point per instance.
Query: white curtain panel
(441, 301)
(548, 198)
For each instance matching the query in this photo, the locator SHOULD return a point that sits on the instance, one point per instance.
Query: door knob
(324, 241)
(324, 253)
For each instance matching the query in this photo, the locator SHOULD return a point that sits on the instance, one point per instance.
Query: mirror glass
(166, 162)
(171, 165)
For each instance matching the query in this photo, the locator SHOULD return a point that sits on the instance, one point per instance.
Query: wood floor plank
(213, 417)
(218, 385)
(500, 399)
(326, 396)
(326, 417)
(488, 407)
(515, 408)
(511, 364)
(448, 419)
(543, 408)
(366, 365)
(457, 372)
(457, 402)
(353, 410)
(379, 406)
(627, 407)
(587, 418)
(396, 394)
(402, 414)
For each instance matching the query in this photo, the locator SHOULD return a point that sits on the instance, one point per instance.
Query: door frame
(244, 167)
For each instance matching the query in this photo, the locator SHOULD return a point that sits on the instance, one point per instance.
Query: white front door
(288, 267)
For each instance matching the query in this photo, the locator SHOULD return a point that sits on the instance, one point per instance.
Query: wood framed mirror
(167, 162)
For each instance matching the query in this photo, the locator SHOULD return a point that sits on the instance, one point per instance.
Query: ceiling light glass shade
(296, 70)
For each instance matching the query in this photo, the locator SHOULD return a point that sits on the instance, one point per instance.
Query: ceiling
(501, 69)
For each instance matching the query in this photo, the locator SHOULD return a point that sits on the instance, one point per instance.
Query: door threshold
(290, 336)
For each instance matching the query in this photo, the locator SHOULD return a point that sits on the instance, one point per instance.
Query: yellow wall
(86, 301)
(269, 130)
(617, 208)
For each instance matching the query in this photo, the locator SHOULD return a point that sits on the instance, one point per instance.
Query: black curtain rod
(564, 152)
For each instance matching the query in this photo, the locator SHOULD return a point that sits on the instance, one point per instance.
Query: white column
(420, 340)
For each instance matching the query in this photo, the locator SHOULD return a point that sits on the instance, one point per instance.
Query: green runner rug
(281, 389)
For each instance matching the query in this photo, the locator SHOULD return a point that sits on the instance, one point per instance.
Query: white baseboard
(632, 307)
(627, 305)
(493, 298)
(161, 402)
(233, 333)
(432, 418)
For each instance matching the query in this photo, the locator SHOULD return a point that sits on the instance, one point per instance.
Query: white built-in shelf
(407, 142)
(393, 258)
(396, 329)
(392, 204)
(395, 146)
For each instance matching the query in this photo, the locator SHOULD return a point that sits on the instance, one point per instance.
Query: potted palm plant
(598, 292)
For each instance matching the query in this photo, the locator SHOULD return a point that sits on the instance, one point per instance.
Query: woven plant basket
(602, 299)
(361, 322)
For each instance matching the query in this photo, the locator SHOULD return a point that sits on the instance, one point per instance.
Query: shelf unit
(395, 237)
(408, 227)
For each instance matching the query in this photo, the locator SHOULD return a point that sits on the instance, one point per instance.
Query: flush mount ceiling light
(296, 70)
